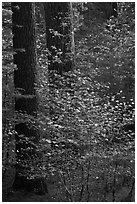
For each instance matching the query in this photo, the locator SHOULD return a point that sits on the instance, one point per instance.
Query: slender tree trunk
(59, 44)
(58, 34)
(24, 81)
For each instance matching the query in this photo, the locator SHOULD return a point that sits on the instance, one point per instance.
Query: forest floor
(101, 184)
(23, 196)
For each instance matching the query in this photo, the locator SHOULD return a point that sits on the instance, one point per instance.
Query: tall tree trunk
(59, 43)
(24, 81)
(58, 34)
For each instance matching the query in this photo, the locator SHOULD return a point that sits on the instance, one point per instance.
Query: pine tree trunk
(58, 34)
(59, 43)
(24, 81)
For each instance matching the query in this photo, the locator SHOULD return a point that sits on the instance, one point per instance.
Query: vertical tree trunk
(58, 34)
(59, 43)
(24, 79)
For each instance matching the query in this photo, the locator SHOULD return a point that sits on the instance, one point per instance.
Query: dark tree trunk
(58, 34)
(108, 8)
(59, 44)
(24, 80)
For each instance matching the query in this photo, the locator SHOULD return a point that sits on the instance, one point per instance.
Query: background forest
(68, 102)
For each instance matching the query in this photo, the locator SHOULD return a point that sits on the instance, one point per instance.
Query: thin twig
(88, 176)
(71, 190)
(68, 193)
(82, 188)
(114, 180)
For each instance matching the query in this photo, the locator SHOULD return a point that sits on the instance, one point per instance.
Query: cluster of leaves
(109, 51)
(90, 110)
(95, 97)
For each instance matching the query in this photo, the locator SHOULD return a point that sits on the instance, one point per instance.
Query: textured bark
(59, 39)
(58, 34)
(24, 81)
(25, 59)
